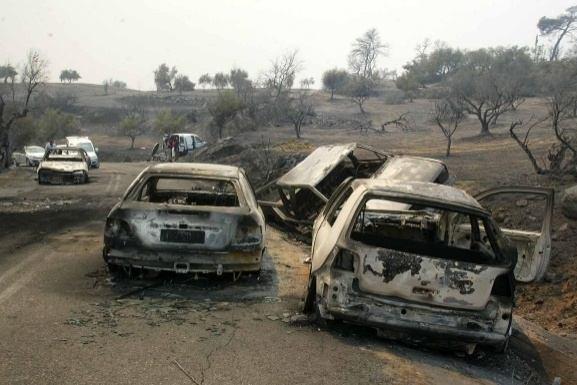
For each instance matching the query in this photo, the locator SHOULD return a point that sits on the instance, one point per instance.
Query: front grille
(181, 236)
(53, 177)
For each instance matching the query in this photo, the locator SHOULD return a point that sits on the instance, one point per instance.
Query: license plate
(182, 236)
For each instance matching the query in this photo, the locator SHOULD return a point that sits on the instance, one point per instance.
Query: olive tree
(15, 105)
(491, 82)
(224, 109)
(334, 80)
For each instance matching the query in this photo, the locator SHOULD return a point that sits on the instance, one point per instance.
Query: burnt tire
(310, 301)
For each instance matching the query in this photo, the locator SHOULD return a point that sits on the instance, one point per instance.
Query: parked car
(304, 190)
(31, 156)
(86, 144)
(64, 165)
(417, 259)
(188, 143)
(187, 217)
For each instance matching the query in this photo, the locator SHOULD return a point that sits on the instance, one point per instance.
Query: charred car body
(64, 165)
(305, 189)
(420, 259)
(187, 217)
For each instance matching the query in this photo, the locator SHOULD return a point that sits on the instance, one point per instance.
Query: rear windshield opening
(189, 192)
(64, 156)
(426, 231)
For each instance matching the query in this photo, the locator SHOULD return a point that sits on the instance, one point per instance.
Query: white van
(85, 143)
(188, 143)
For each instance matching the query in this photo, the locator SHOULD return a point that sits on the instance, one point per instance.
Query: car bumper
(200, 261)
(410, 320)
(55, 177)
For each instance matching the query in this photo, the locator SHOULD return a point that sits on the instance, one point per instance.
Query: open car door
(533, 245)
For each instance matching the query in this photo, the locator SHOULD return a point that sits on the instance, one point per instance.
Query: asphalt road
(65, 320)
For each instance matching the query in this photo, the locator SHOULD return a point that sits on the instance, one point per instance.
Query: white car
(67, 165)
(31, 156)
(86, 144)
(187, 217)
(418, 259)
(188, 143)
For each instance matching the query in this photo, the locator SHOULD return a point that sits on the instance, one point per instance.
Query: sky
(128, 39)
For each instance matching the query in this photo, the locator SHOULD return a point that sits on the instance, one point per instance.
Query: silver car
(187, 217)
(31, 156)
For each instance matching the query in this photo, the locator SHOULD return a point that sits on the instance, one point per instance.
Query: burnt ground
(66, 321)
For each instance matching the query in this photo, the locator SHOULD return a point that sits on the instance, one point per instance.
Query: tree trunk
(485, 128)
(132, 139)
(297, 130)
(448, 152)
(332, 94)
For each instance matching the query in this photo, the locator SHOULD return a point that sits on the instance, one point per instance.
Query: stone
(569, 202)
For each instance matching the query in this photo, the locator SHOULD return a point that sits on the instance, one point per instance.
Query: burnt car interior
(428, 231)
(189, 192)
(360, 163)
(64, 155)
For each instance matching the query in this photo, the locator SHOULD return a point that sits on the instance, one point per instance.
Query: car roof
(411, 168)
(425, 191)
(78, 139)
(315, 167)
(204, 169)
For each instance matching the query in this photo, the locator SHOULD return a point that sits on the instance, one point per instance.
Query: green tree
(491, 82)
(182, 83)
(168, 122)
(224, 109)
(408, 83)
(557, 29)
(239, 81)
(220, 80)
(54, 124)
(205, 80)
(360, 89)
(335, 80)
(164, 77)
(7, 72)
(69, 75)
(132, 126)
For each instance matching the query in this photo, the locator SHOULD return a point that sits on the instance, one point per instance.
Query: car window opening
(426, 231)
(189, 192)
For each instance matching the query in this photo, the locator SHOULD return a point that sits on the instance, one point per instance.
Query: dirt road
(64, 320)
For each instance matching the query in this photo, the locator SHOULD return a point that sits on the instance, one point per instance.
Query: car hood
(34, 156)
(63, 166)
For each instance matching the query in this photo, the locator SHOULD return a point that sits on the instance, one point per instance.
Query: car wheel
(309, 305)
(85, 179)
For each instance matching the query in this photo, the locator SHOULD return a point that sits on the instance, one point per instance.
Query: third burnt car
(417, 259)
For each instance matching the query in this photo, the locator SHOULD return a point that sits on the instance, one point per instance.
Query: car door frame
(542, 251)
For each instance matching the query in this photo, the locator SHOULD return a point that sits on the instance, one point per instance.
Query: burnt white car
(187, 217)
(305, 189)
(423, 260)
(63, 165)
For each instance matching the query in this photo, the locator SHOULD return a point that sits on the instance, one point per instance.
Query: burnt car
(420, 260)
(187, 217)
(63, 165)
(304, 190)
